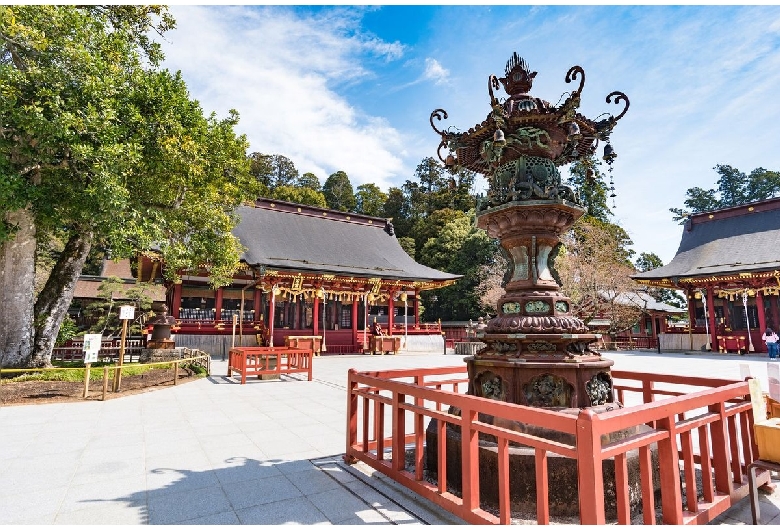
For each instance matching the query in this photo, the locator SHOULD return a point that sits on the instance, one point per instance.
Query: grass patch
(198, 370)
(76, 372)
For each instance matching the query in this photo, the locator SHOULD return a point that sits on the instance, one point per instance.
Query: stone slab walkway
(216, 452)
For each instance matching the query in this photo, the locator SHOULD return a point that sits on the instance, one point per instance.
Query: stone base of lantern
(158, 355)
(161, 344)
(562, 475)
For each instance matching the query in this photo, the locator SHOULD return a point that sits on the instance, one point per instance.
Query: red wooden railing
(718, 418)
(263, 360)
(634, 342)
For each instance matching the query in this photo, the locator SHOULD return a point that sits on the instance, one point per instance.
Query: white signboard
(92, 347)
(127, 312)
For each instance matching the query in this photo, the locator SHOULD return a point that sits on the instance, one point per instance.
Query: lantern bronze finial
(519, 78)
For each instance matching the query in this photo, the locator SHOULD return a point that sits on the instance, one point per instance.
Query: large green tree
(99, 147)
(284, 171)
(301, 195)
(396, 207)
(594, 267)
(272, 171)
(262, 169)
(734, 188)
(589, 183)
(648, 261)
(459, 248)
(430, 226)
(309, 180)
(370, 200)
(339, 193)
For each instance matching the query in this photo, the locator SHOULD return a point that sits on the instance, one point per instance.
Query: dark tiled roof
(294, 237)
(642, 301)
(87, 287)
(120, 269)
(726, 241)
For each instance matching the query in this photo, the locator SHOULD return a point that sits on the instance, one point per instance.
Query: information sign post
(91, 348)
(126, 313)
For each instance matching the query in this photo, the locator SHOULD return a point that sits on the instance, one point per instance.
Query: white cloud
(701, 81)
(280, 71)
(435, 71)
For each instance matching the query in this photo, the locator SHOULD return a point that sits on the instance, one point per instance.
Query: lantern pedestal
(537, 353)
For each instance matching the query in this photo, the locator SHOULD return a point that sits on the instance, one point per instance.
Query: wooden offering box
(768, 439)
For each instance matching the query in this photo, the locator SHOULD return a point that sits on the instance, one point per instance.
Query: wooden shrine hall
(306, 271)
(728, 264)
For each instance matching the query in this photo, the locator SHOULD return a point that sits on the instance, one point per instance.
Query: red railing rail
(390, 411)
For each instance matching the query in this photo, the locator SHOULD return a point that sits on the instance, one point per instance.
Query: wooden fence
(188, 357)
(390, 410)
(109, 351)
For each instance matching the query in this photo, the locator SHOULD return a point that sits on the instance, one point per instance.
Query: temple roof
(741, 239)
(283, 235)
(87, 286)
(643, 301)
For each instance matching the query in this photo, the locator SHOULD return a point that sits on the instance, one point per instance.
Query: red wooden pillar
(773, 304)
(257, 305)
(761, 346)
(711, 311)
(218, 305)
(315, 315)
(390, 313)
(760, 310)
(691, 309)
(355, 322)
(416, 309)
(176, 302)
(271, 319)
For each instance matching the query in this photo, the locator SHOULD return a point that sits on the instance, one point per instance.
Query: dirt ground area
(36, 392)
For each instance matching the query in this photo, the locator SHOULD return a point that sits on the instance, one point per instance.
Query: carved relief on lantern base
(535, 311)
(556, 385)
(543, 347)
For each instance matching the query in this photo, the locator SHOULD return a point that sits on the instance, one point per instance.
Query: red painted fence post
(352, 401)
(669, 470)
(589, 469)
(399, 432)
(469, 460)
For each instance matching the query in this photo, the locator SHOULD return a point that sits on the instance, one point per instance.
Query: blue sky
(352, 87)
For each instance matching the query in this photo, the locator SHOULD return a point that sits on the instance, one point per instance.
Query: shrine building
(728, 264)
(305, 271)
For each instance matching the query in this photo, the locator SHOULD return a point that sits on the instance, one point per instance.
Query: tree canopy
(593, 269)
(339, 193)
(101, 147)
(648, 261)
(734, 188)
(301, 195)
(369, 199)
(459, 248)
(310, 181)
(589, 183)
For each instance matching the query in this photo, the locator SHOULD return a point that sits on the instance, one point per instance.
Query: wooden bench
(265, 360)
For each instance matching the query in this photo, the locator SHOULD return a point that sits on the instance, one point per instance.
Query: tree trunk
(56, 296)
(17, 291)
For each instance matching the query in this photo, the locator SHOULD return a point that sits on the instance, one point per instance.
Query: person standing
(771, 339)
(376, 331)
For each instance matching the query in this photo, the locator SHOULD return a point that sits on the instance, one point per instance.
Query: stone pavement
(216, 452)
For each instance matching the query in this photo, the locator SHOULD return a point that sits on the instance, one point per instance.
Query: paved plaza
(216, 452)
